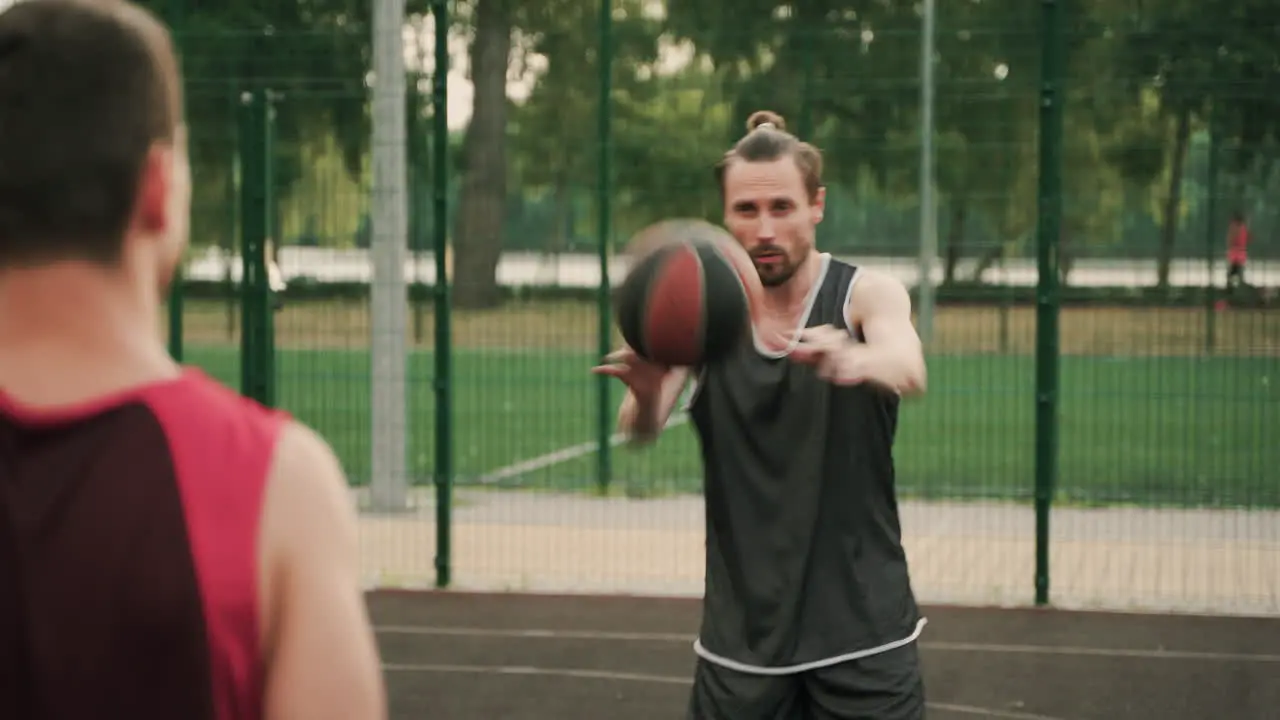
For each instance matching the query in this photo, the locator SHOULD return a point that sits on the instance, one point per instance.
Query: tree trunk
(483, 195)
(955, 239)
(1066, 253)
(994, 254)
(562, 227)
(1173, 200)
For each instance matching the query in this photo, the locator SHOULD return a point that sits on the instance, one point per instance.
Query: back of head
(88, 87)
(767, 140)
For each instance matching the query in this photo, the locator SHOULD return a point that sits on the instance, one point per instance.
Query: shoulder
(203, 407)
(307, 490)
(221, 443)
(876, 291)
(308, 526)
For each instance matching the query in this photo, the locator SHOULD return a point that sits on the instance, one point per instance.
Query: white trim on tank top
(725, 662)
(804, 316)
(848, 299)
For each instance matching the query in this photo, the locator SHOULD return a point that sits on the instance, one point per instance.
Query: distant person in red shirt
(1237, 250)
(168, 549)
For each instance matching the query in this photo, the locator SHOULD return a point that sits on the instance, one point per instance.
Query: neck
(789, 298)
(72, 331)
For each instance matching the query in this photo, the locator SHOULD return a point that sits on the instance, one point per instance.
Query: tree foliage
(1147, 83)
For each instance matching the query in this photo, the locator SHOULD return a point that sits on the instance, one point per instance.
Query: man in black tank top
(808, 609)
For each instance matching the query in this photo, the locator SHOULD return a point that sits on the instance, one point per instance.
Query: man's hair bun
(761, 118)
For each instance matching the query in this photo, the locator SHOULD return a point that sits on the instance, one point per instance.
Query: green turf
(1149, 431)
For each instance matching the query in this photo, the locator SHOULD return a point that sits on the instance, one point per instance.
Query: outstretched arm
(891, 357)
(642, 418)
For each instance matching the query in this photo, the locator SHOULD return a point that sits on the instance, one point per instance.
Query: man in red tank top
(168, 549)
(1237, 251)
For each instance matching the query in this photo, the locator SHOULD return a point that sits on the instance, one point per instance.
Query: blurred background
(529, 139)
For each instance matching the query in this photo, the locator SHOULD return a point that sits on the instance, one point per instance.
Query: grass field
(1147, 416)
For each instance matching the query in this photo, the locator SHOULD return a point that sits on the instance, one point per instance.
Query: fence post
(264, 295)
(1052, 99)
(928, 205)
(443, 339)
(177, 15)
(416, 139)
(235, 203)
(1211, 233)
(388, 245)
(604, 419)
(256, 365)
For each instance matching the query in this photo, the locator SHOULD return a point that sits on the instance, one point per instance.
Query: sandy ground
(973, 553)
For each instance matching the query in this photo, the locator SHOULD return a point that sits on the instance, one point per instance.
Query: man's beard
(779, 272)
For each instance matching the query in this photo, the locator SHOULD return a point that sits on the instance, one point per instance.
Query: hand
(832, 352)
(643, 377)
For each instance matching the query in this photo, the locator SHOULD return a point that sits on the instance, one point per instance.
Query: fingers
(622, 355)
(627, 357)
(816, 343)
(627, 365)
(827, 336)
(611, 370)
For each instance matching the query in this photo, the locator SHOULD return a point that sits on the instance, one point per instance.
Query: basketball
(688, 296)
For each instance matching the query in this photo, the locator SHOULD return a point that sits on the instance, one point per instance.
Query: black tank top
(805, 563)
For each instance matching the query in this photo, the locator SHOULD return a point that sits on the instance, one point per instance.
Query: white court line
(526, 670)
(573, 452)
(533, 633)
(987, 712)
(1065, 650)
(657, 679)
(1104, 652)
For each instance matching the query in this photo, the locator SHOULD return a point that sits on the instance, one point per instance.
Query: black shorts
(884, 686)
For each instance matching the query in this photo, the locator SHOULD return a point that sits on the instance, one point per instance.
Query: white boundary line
(562, 455)
(656, 679)
(532, 634)
(529, 670)
(1065, 650)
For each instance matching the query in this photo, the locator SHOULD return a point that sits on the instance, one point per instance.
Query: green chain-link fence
(1161, 469)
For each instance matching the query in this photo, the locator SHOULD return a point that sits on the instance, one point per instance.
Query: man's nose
(765, 232)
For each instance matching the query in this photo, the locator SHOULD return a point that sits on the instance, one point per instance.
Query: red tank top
(128, 554)
(1238, 250)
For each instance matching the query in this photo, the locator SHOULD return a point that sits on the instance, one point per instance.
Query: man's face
(769, 212)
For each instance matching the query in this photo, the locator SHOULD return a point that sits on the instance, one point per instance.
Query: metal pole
(263, 295)
(254, 221)
(1052, 101)
(389, 307)
(177, 17)
(928, 206)
(808, 37)
(1211, 233)
(604, 415)
(443, 340)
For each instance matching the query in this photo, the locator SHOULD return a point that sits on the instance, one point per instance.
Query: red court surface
(460, 656)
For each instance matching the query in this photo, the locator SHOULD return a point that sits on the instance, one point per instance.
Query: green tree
(313, 55)
(663, 145)
(1203, 62)
(849, 72)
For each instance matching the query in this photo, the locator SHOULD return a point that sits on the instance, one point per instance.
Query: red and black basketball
(686, 299)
